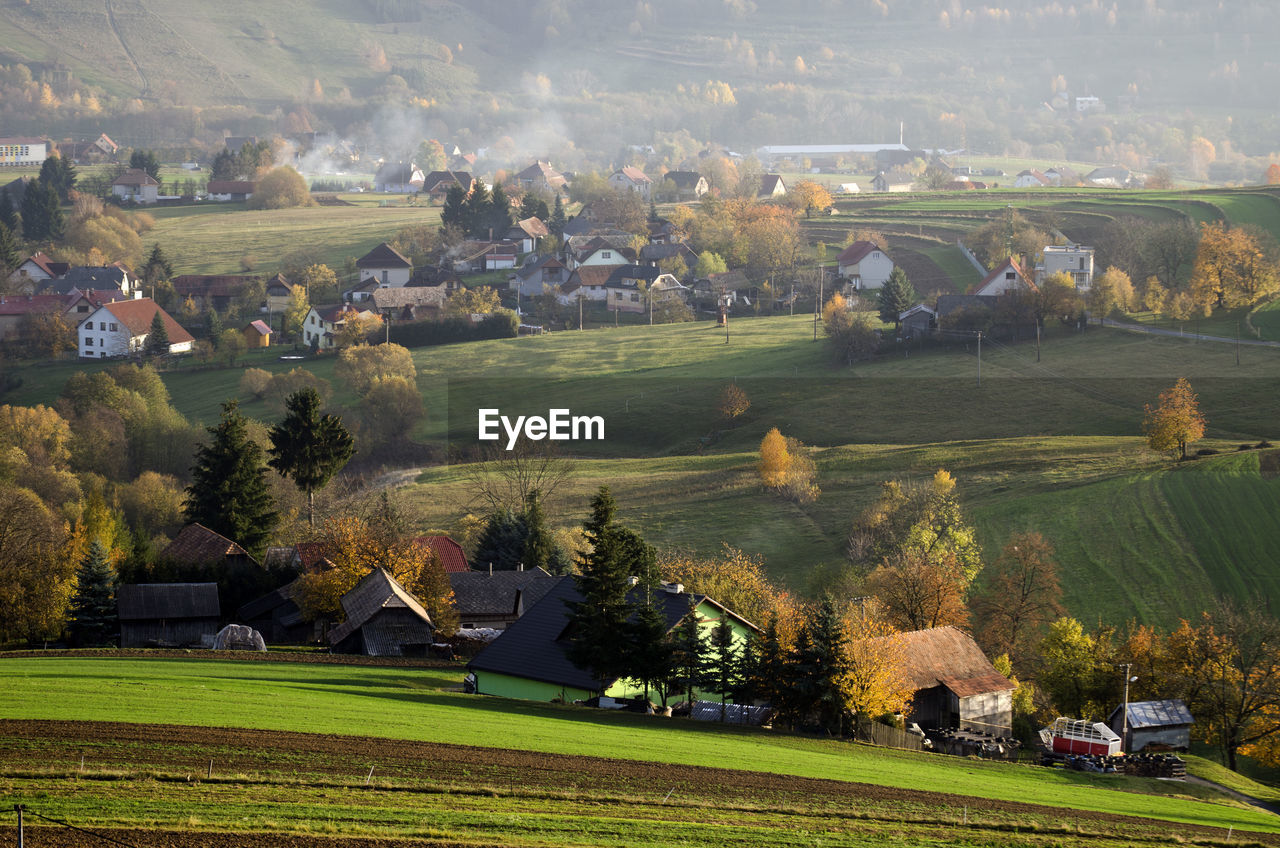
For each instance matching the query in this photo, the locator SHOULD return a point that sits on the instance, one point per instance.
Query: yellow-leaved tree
(1175, 422)
(355, 549)
(775, 461)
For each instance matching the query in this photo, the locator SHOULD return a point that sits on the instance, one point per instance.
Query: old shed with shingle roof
(166, 614)
(198, 545)
(955, 684)
(495, 599)
(1162, 724)
(383, 620)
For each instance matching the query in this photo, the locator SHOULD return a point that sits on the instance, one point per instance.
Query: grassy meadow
(424, 705)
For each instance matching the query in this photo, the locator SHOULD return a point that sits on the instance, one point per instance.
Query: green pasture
(421, 704)
(214, 238)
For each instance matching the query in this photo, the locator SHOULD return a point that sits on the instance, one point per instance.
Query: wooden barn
(257, 334)
(1160, 724)
(383, 620)
(955, 684)
(277, 616)
(166, 614)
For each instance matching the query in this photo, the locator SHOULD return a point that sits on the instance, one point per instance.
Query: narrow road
(1231, 793)
(1178, 334)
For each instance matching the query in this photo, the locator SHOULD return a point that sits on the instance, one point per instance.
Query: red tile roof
(198, 544)
(137, 316)
(450, 552)
(999, 271)
(856, 252)
(260, 326)
(25, 304)
(135, 177)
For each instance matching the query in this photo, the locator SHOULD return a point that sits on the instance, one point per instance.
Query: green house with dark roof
(529, 661)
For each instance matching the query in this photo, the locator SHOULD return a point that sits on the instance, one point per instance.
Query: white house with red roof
(1031, 179)
(34, 270)
(137, 185)
(1006, 277)
(121, 328)
(322, 323)
(865, 265)
(631, 179)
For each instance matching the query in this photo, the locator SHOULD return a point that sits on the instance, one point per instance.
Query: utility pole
(1237, 343)
(1124, 720)
(817, 306)
(979, 358)
(579, 307)
(1037, 340)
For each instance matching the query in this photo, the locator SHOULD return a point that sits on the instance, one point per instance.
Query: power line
(79, 829)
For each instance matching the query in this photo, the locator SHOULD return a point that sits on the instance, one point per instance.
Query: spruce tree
(824, 658)
(67, 177)
(454, 211)
(9, 256)
(8, 212)
(528, 205)
(93, 607)
(476, 211)
(723, 662)
(57, 222)
(652, 655)
(557, 221)
(501, 542)
(896, 296)
(228, 491)
(598, 623)
(157, 336)
(157, 267)
(309, 448)
(499, 212)
(690, 652)
(539, 547)
(213, 326)
(35, 213)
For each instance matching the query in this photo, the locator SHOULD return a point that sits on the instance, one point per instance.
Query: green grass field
(420, 704)
(213, 238)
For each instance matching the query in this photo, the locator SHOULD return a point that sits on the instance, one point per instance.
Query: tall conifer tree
(93, 607)
(228, 491)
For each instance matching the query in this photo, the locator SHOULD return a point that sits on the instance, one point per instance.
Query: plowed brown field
(272, 762)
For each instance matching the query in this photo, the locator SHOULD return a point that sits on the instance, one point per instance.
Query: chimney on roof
(631, 581)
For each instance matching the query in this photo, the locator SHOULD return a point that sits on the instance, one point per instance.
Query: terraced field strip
(157, 777)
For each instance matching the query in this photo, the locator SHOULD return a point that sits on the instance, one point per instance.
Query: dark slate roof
(533, 645)
(92, 277)
(17, 190)
(375, 592)
(198, 544)
(260, 606)
(658, 252)
(1171, 713)
(482, 593)
(149, 601)
(683, 179)
(625, 276)
(383, 256)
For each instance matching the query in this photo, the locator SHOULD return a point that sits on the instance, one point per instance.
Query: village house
(771, 185)
(495, 599)
(101, 149)
(864, 265)
(137, 186)
(599, 250)
(540, 176)
(629, 178)
(113, 277)
(528, 659)
(586, 283)
(892, 182)
(23, 152)
(122, 328)
(1006, 277)
(955, 684)
(1074, 260)
(382, 620)
(398, 178)
(1031, 179)
(166, 614)
(451, 555)
(917, 321)
(278, 292)
(409, 303)
(224, 191)
(656, 254)
(632, 288)
(214, 291)
(386, 265)
(536, 272)
(320, 327)
(437, 183)
(689, 185)
(34, 270)
(526, 234)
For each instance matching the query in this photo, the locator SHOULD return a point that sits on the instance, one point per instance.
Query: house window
(384, 276)
(82, 308)
(1009, 275)
(635, 297)
(606, 254)
(113, 327)
(1081, 263)
(88, 342)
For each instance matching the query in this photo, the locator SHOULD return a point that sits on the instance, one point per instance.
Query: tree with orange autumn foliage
(806, 196)
(1231, 269)
(355, 549)
(737, 580)
(1175, 422)
(919, 590)
(775, 461)
(1022, 595)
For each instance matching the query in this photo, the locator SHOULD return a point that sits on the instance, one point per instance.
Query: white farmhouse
(865, 265)
(1074, 260)
(121, 328)
(137, 185)
(1004, 278)
(386, 265)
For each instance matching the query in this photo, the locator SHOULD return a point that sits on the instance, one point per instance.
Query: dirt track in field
(270, 755)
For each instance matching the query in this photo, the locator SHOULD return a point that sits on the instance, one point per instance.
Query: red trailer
(1080, 736)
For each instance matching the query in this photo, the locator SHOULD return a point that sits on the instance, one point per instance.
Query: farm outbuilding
(166, 614)
(955, 684)
(495, 599)
(383, 620)
(277, 616)
(1161, 724)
